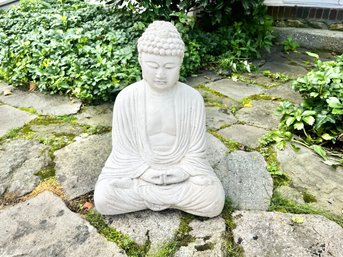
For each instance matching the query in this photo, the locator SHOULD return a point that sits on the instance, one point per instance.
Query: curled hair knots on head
(161, 38)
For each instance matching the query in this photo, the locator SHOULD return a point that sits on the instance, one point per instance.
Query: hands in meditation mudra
(158, 157)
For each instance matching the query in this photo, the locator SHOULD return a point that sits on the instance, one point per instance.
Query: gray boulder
(266, 234)
(44, 226)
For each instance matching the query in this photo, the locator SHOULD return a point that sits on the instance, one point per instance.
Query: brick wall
(307, 17)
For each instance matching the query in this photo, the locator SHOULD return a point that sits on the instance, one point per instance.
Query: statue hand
(165, 177)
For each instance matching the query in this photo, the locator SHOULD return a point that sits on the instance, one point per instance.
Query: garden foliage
(318, 120)
(89, 51)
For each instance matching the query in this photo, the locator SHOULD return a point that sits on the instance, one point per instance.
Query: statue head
(160, 54)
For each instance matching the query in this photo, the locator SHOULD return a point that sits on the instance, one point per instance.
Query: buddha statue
(158, 159)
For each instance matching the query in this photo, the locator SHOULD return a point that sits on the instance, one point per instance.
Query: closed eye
(152, 65)
(170, 66)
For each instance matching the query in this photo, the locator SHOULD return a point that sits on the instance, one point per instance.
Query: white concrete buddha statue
(158, 160)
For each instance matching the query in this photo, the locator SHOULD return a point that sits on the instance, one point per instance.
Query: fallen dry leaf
(88, 205)
(33, 86)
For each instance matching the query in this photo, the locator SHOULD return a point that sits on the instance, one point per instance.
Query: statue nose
(160, 73)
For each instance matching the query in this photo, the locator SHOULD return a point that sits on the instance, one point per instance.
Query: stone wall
(307, 17)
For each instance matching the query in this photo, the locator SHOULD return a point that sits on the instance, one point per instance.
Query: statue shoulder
(190, 91)
(129, 91)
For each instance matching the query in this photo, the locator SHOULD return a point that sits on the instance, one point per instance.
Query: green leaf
(334, 102)
(298, 125)
(320, 151)
(326, 136)
(337, 111)
(313, 55)
(308, 113)
(309, 120)
(290, 121)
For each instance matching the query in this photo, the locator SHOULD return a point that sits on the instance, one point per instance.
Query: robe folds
(132, 153)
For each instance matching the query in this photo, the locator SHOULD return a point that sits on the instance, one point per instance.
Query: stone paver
(309, 174)
(202, 78)
(43, 104)
(246, 180)
(260, 114)
(292, 70)
(48, 130)
(11, 118)
(44, 226)
(216, 118)
(285, 92)
(243, 134)
(235, 90)
(20, 160)
(100, 115)
(158, 227)
(79, 164)
(266, 234)
(209, 239)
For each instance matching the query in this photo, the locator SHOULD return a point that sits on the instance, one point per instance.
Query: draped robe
(119, 188)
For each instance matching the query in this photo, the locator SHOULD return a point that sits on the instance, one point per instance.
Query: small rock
(261, 114)
(44, 226)
(79, 164)
(11, 118)
(336, 26)
(158, 227)
(243, 134)
(246, 180)
(236, 90)
(20, 160)
(216, 150)
(266, 234)
(209, 239)
(216, 118)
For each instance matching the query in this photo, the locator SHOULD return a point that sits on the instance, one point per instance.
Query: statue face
(160, 72)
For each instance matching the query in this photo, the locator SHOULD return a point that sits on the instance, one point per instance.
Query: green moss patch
(281, 204)
(121, 240)
(230, 144)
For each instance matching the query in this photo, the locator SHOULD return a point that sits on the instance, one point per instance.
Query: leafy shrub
(318, 121)
(290, 45)
(71, 47)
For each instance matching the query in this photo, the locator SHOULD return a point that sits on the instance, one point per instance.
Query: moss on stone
(211, 91)
(281, 204)
(230, 144)
(46, 172)
(233, 249)
(30, 110)
(309, 198)
(181, 238)
(120, 239)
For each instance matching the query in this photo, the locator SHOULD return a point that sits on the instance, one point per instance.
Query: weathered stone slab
(79, 164)
(309, 174)
(291, 194)
(244, 134)
(246, 180)
(293, 70)
(20, 160)
(55, 129)
(236, 90)
(266, 234)
(202, 78)
(209, 239)
(285, 92)
(212, 99)
(44, 104)
(261, 114)
(100, 115)
(11, 118)
(216, 118)
(158, 227)
(44, 226)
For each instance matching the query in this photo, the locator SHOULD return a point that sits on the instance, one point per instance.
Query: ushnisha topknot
(161, 38)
